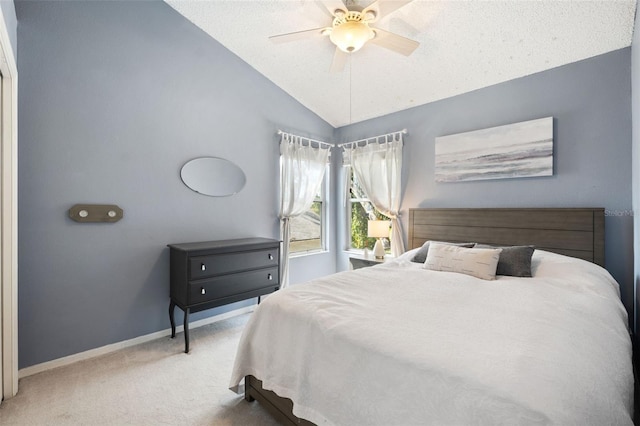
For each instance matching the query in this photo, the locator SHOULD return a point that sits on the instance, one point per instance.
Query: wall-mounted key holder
(95, 213)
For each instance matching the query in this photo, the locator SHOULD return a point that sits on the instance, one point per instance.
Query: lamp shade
(378, 228)
(351, 35)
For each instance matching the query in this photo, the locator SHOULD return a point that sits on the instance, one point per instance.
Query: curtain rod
(280, 132)
(403, 131)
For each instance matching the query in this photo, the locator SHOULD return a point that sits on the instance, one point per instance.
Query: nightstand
(358, 262)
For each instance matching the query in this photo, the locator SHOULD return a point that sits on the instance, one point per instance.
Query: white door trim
(8, 214)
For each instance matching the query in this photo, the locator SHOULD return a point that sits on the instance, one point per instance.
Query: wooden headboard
(576, 232)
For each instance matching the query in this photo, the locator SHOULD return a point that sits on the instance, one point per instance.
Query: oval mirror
(213, 176)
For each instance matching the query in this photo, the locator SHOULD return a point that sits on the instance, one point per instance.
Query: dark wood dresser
(208, 274)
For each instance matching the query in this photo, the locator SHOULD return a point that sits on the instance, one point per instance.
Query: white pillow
(480, 263)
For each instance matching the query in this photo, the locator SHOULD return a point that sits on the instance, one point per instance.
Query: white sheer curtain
(302, 168)
(378, 168)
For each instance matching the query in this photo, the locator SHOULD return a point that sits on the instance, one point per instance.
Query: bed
(398, 344)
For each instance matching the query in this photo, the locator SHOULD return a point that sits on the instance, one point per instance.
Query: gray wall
(591, 105)
(635, 84)
(113, 98)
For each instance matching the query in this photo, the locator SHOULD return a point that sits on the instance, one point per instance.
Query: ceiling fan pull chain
(350, 89)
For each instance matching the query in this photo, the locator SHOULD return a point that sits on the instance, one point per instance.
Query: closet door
(2, 309)
(8, 215)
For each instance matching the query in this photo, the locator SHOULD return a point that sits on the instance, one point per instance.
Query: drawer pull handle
(203, 267)
(202, 290)
(270, 256)
(269, 277)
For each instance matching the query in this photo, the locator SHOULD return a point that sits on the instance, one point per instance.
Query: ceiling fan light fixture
(350, 36)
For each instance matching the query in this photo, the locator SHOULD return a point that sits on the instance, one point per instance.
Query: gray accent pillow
(515, 261)
(421, 255)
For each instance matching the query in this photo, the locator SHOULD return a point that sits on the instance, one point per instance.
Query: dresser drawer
(232, 284)
(206, 266)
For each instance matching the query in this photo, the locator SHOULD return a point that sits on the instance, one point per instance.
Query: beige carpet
(154, 383)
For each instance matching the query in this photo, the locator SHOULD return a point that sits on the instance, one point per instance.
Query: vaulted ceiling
(464, 46)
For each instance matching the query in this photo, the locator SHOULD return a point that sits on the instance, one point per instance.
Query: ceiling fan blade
(395, 42)
(331, 6)
(298, 35)
(382, 8)
(339, 61)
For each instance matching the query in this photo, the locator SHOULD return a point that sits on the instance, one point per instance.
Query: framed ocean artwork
(519, 150)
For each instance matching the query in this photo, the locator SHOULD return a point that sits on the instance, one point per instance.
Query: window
(308, 230)
(360, 210)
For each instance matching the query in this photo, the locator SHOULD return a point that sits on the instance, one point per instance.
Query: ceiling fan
(350, 29)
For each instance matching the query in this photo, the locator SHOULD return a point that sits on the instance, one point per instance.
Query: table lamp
(378, 229)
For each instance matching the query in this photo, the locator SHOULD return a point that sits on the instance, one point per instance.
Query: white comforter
(396, 344)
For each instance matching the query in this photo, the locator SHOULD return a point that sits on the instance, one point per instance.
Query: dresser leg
(172, 307)
(186, 331)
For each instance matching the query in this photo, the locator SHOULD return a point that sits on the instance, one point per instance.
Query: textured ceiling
(464, 45)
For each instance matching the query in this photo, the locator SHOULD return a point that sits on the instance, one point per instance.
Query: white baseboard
(92, 353)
